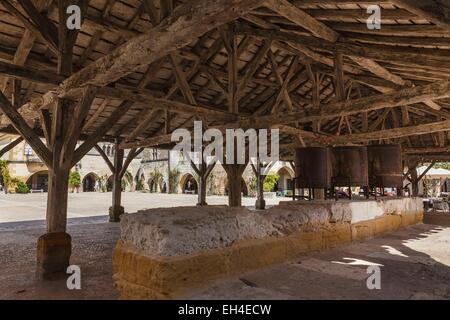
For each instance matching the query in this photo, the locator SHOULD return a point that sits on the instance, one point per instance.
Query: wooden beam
(252, 66)
(74, 127)
(37, 23)
(284, 88)
(188, 22)
(108, 7)
(423, 174)
(162, 103)
(10, 145)
(300, 17)
(25, 45)
(46, 125)
(143, 124)
(402, 97)
(152, 12)
(66, 37)
(105, 158)
(425, 56)
(393, 133)
(230, 41)
(276, 72)
(433, 11)
(22, 127)
(89, 49)
(422, 150)
(166, 8)
(92, 140)
(181, 80)
(96, 115)
(339, 81)
(130, 157)
(29, 74)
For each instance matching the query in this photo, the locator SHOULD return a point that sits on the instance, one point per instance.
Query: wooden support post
(234, 175)
(414, 182)
(203, 171)
(116, 210)
(202, 179)
(118, 169)
(319, 194)
(54, 247)
(258, 170)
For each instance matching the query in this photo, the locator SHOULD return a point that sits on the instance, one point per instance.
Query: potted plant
(269, 183)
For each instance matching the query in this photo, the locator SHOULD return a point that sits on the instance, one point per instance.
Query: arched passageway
(89, 182)
(38, 181)
(189, 184)
(285, 182)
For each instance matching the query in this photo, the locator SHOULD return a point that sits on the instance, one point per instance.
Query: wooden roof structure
(313, 69)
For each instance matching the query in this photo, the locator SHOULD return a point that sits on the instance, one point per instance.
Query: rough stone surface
(186, 230)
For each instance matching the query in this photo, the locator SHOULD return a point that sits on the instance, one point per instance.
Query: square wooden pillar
(116, 210)
(234, 175)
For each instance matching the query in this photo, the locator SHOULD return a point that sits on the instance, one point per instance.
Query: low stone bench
(163, 253)
(36, 191)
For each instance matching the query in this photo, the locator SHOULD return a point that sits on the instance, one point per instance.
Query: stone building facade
(149, 172)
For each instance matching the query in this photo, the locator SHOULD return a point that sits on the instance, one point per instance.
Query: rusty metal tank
(313, 167)
(385, 165)
(350, 166)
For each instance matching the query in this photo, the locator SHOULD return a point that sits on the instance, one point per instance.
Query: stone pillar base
(53, 255)
(115, 213)
(260, 204)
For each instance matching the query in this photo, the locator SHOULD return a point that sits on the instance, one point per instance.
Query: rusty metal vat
(313, 167)
(385, 166)
(350, 166)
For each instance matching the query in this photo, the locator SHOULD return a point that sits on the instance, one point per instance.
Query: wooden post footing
(115, 212)
(260, 204)
(53, 255)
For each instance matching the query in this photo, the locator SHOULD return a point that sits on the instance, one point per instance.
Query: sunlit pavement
(18, 207)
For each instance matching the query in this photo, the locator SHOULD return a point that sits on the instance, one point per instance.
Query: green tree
(270, 181)
(5, 178)
(22, 188)
(442, 165)
(74, 180)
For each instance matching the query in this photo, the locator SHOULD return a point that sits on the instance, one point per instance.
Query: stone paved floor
(18, 207)
(415, 264)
